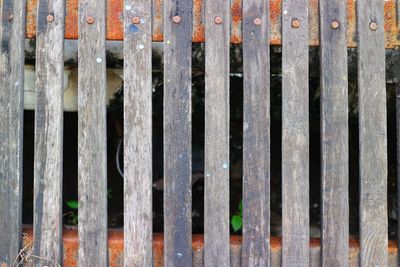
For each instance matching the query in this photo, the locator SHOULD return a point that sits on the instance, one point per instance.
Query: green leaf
(241, 207)
(236, 222)
(73, 204)
(109, 193)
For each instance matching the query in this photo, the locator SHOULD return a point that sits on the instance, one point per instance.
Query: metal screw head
(90, 20)
(10, 17)
(295, 23)
(218, 20)
(50, 18)
(335, 24)
(176, 19)
(135, 20)
(373, 26)
(257, 21)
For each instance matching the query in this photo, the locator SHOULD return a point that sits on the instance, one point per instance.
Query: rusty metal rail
(115, 21)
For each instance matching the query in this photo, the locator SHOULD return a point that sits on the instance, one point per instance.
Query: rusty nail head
(218, 20)
(257, 21)
(176, 19)
(136, 20)
(50, 18)
(90, 20)
(295, 23)
(335, 24)
(373, 26)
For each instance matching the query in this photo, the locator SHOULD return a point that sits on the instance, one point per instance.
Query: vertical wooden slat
(216, 164)
(177, 132)
(334, 134)
(49, 132)
(12, 25)
(256, 137)
(295, 134)
(138, 224)
(373, 133)
(92, 154)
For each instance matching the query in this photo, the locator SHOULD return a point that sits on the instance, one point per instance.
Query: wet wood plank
(12, 55)
(48, 161)
(216, 164)
(373, 134)
(256, 135)
(177, 133)
(334, 134)
(92, 149)
(295, 134)
(138, 218)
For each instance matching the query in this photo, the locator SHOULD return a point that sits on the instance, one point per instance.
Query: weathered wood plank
(334, 133)
(177, 133)
(216, 164)
(92, 154)
(373, 133)
(12, 25)
(47, 244)
(138, 230)
(256, 136)
(295, 134)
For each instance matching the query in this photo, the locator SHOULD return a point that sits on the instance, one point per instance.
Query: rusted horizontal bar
(116, 249)
(115, 21)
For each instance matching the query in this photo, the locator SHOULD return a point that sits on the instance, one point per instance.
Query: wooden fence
(178, 27)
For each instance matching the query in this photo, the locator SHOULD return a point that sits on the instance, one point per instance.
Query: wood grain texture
(48, 171)
(92, 149)
(334, 134)
(373, 134)
(256, 135)
(216, 164)
(178, 133)
(138, 219)
(295, 135)
(11, 127)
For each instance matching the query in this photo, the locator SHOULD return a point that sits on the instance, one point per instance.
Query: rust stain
(71, 20)
(198, 29)
(115, 21)
(236, 24)
(116, 246)
(351, 25)
(31, 11)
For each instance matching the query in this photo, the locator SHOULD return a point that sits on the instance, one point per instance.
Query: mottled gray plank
(49, 89)
(295, 134)
(373, 134)
(334, 133)
(92, 154)
(216, 164)
(138, 230)
(256, 134)
(177, 133)
(12, 36)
